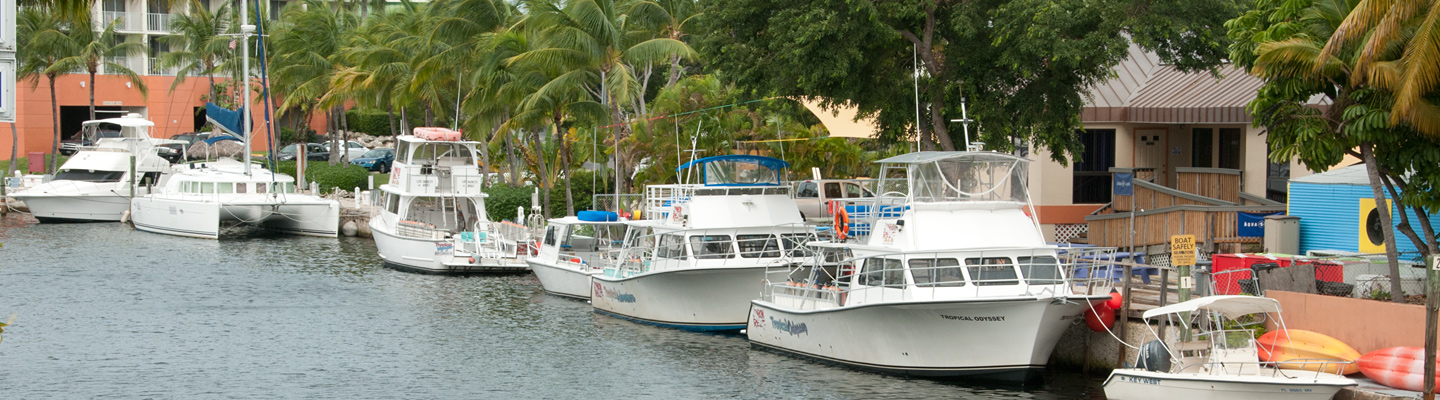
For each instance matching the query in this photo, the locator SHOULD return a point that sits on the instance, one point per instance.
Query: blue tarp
(221, 139)
(227, 120)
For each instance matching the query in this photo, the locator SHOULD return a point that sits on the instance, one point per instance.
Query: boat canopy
(416, 151)
(738, 170)
(1232, 306)
(956, 176)
(131, 126)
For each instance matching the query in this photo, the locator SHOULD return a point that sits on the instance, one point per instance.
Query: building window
(1202, 147)
(275, 7)
(1277, 181)
(115, 5)
(1092, 167)
(1231, 145)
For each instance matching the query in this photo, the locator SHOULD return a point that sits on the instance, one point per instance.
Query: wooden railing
(1149, 196)
(1155, 226)
(1215, 183)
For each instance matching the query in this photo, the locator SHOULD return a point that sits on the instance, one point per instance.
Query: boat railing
(663, 201)
(1295, 368)
(946, 275)
(715, 248)
(865, 212)
(418, 230)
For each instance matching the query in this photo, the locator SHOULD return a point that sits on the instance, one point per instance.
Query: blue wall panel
(1330, 216)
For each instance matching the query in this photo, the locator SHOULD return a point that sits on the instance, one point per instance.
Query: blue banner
(1124, 185)
(1252, 224)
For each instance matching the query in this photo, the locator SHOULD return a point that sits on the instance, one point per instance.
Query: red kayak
(1396, 367)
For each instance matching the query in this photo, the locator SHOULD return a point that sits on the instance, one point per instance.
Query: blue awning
(768, 162)
(221, 139)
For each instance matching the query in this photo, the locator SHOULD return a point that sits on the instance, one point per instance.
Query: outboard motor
(1154, 357)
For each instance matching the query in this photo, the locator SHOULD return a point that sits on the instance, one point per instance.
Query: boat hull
(426, 256)
(201, 219)
(562, 281)
(98, 208)
(1005, 339)
(1126, 384)
(697, 299)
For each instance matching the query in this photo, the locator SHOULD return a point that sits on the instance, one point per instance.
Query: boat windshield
(970, 177)
(738, 170)
(433, 153)
(445, 213)
(93, 132)
(88, 175)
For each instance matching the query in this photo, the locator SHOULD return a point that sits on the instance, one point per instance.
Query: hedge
(504, 198)
(370, 122)
(346, 177)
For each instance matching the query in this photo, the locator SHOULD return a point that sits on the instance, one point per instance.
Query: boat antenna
(245, 30)
(965, 122)
(915, 66)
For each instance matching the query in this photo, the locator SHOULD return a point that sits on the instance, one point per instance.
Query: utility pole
(1432, 304)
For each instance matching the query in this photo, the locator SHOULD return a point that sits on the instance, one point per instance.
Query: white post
(245, 30)
(371, 179)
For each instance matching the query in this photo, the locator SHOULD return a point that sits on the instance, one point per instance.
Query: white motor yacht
(434, 218)
(96, 183)
(696, 258)
(1221, 363)
(947, 275)
(573, 249)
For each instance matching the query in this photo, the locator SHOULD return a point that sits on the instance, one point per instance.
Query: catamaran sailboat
(434, 218)
(96, 184)
(949, 277)
(694, 261)
(575, 248)
(199, 197)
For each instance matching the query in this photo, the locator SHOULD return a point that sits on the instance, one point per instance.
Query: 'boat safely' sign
(1182, 250)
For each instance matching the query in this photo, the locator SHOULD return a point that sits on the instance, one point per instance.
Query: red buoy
(1102, 322)
(1115, 301)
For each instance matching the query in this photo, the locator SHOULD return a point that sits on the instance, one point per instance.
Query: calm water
(106, 311)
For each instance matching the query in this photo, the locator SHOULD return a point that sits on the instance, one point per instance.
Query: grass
(24, 164)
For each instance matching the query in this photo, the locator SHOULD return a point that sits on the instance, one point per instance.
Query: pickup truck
(812, 196)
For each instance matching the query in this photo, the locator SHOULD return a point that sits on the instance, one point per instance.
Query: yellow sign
(1182, 250)
(1371, 235)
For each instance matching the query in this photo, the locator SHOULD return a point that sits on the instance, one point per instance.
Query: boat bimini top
(1231, 306)
(738, 170)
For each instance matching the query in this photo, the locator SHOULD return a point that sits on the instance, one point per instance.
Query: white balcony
(121, 19)
(156, 69)
(128, 62)
(158, 22)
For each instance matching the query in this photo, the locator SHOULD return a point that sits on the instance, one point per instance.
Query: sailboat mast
(245, 30)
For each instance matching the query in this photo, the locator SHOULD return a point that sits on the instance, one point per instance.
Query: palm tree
(670, 19)
(1400, 52)
(99, 49)
(308, 52)
(590, 41)
(196, 43)
(42, 43)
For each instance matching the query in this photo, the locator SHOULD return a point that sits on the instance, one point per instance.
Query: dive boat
(947, 275)
(696, 258)
(434, 217)
(574, 248)
(96, 184)
(201, 196)
(1223, 363)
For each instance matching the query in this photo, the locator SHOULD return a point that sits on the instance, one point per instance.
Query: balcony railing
(159, 22)
(126, 61)
(156, 69)
(121, 19)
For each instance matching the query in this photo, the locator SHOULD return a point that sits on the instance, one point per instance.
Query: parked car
(353, 149)
(313, 152)
(376, 160)
(191, 138)
(69, 147)
(812, 196)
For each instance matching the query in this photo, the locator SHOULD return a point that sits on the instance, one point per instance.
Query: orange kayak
(1306, 350)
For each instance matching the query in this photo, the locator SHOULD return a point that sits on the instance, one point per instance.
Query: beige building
(1158, 121)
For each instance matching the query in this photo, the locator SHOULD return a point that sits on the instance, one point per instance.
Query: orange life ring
(842, 219)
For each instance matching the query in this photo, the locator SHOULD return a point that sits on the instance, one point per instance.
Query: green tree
(308, 51)
(94, 50)
(42, 43)
(1024, 65)
(1283, 42)
(1399, 51)
(197, 46)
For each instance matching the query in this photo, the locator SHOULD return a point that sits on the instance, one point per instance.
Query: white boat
(696, 259)
(198, 198)
(96, 183)
(948, 275)
(1223, 363)
(573, 249)
(434, 217)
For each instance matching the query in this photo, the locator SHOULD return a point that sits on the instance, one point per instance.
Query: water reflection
(104, 310)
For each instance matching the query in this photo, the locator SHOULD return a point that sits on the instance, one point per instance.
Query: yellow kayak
(1306, 350)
